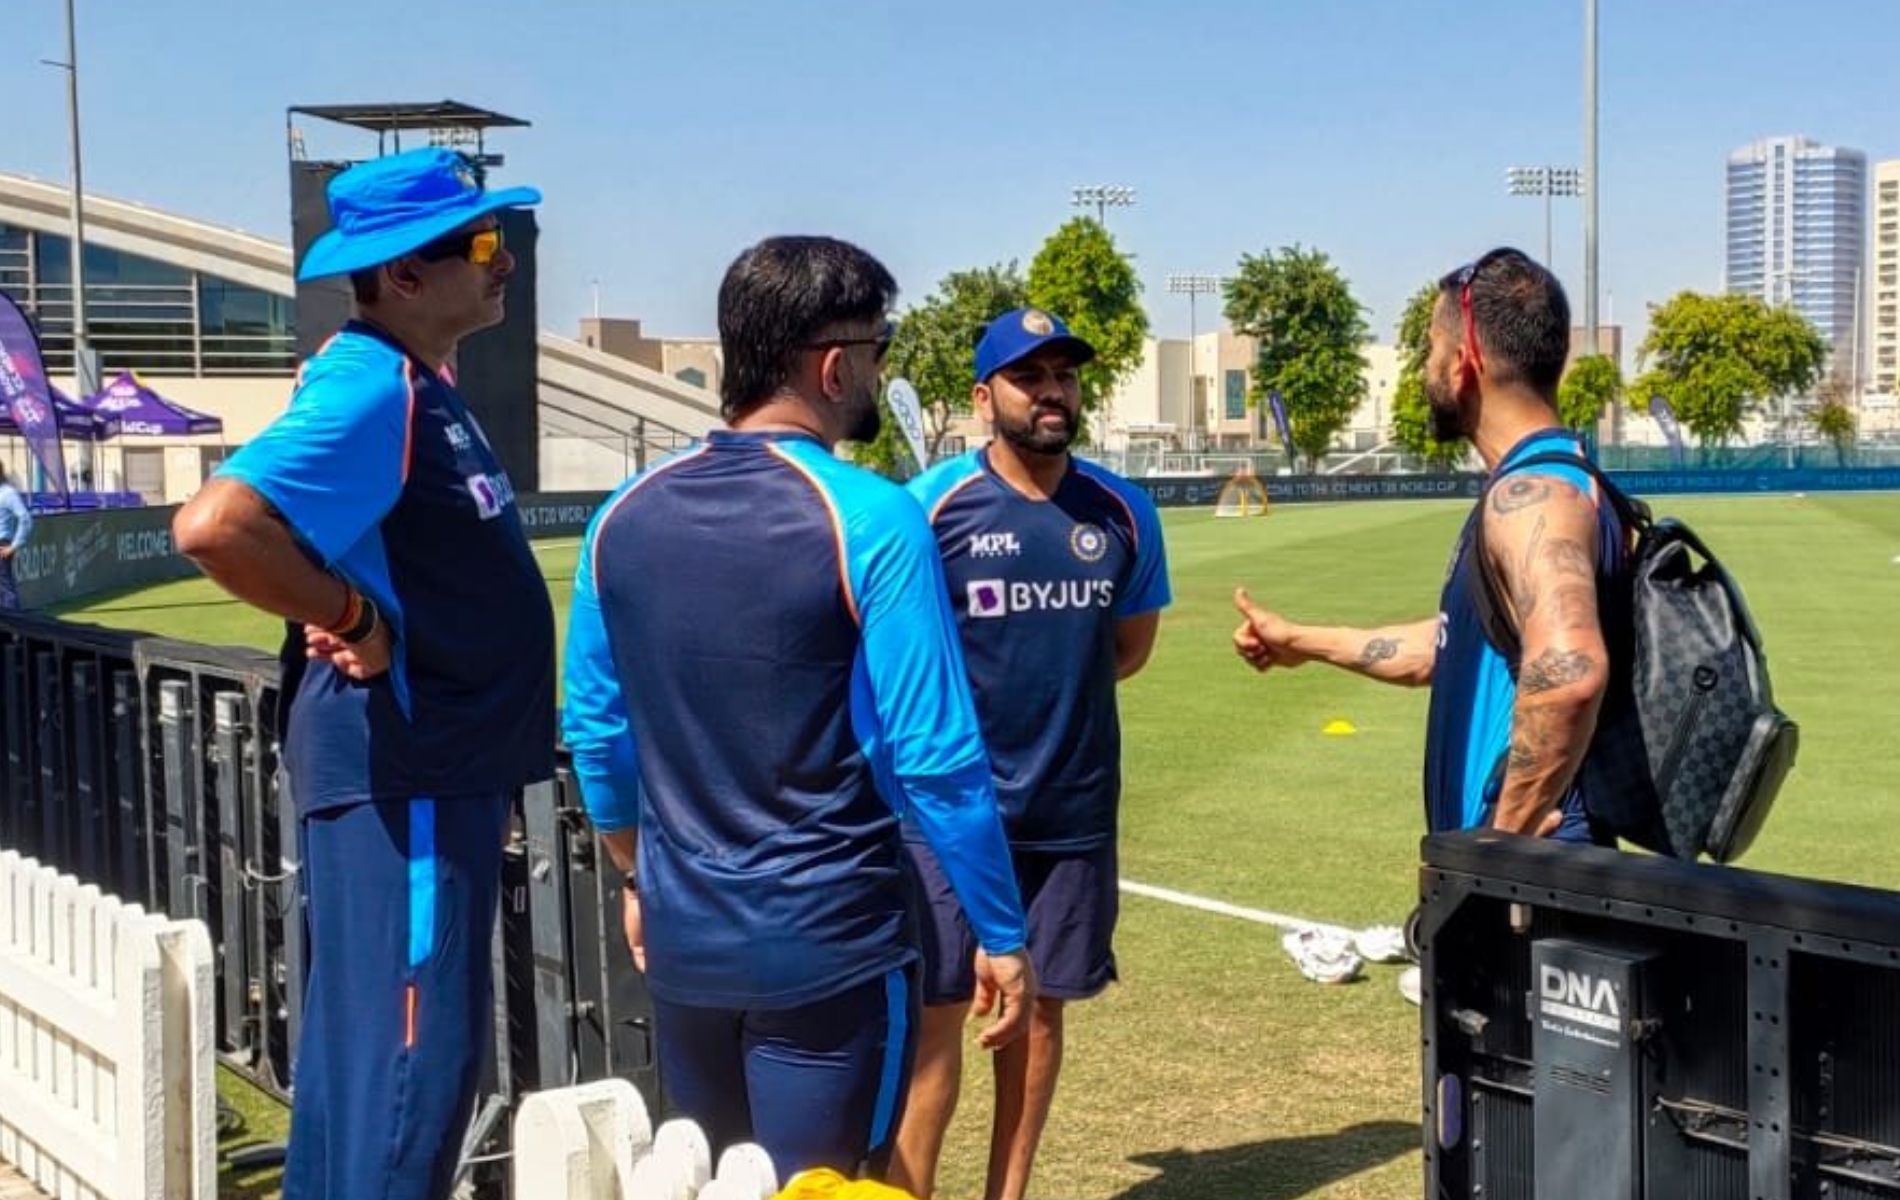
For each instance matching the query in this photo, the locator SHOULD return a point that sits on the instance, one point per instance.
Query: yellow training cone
(1339, 727)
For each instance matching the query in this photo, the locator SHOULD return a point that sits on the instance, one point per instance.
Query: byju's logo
(994, 545)
(988, 598)
(493, 494)
(997, 598)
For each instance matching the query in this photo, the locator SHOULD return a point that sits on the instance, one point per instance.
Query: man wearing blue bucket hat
(1057, 578)
(373, 516)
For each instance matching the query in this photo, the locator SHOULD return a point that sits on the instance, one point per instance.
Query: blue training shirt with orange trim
(384, 477)
(1038, 587)
(762, 676)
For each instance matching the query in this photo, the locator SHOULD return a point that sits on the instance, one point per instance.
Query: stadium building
(205, 315)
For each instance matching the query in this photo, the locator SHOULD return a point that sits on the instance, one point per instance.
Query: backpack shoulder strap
(1488, 594)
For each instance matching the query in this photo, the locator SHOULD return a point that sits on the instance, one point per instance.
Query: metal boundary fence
(150, 768)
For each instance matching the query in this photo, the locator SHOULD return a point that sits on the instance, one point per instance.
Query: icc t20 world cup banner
(24, 396)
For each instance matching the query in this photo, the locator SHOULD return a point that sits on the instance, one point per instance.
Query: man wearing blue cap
(1057, 578)
(374, 517)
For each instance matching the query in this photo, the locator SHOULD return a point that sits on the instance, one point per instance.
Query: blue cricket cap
(1021, 332)
(388, 207)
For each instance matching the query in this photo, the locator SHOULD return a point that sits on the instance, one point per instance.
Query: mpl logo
(458, 437)
(1574, 996)
(994, 545)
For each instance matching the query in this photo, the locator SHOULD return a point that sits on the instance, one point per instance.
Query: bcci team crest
(1088, 543)
(1038, 323)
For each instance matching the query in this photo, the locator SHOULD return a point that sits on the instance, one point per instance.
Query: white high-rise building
(1797, 227)
(1882, 282)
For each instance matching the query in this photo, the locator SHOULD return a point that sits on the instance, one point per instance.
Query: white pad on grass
(1323, 955)
(1381, 944)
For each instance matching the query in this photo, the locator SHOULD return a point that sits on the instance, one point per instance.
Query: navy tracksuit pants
(398, 1011)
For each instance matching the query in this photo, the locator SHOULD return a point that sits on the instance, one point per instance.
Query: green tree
(1081, 277)
(1592, 384)
(1835, 418)
(935, 347)
(1717, 359)
(1309, 327)
(1411, 411)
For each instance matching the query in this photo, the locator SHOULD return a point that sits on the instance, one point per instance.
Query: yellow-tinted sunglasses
(478, 246)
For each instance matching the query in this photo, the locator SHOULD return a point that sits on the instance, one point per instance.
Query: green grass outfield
(1214, 1070)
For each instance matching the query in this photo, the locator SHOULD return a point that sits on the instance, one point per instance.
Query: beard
(1450, 422)
(1031, 435)
(865, 419)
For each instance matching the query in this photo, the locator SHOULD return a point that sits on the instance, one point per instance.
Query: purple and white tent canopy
(140, 411)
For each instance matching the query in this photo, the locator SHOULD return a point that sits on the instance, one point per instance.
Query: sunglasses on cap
(479, 247)
(882, 341)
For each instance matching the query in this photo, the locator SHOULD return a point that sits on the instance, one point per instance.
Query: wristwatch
(630, 882)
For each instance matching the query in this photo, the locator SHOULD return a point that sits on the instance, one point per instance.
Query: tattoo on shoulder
(1378, 650)
(1554, 669)
(1518, 493)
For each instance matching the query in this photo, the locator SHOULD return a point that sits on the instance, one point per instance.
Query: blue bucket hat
(388, 207)
(1021, 332)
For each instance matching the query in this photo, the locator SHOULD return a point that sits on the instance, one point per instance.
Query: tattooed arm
(1542, 537)
(1401, 654)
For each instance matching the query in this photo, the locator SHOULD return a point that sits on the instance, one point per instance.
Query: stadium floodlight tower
(1102, 197)
(497, 369)
(1193, 287)
(1548, 182)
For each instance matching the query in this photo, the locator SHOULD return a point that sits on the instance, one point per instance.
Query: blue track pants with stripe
(398, 1009)
(821, 1085)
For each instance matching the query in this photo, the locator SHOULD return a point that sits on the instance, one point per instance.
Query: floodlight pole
(1592, 182)
(85, 377)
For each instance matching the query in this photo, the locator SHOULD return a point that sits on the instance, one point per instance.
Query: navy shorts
(1071, 900)
(820, 1085)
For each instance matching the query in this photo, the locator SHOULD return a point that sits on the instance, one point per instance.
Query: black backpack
(1689, 750)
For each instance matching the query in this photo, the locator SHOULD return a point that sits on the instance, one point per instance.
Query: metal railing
(150, 767)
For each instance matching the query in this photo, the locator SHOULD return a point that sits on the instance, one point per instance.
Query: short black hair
(780, 295)
(1521, 315)
(367, 285)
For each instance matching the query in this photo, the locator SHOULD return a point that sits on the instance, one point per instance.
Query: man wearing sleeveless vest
(1506, 734)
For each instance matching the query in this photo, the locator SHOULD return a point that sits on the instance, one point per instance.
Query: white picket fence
(106, 1073)
(595, 1141)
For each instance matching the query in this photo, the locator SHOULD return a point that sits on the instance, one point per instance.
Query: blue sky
(670, 135)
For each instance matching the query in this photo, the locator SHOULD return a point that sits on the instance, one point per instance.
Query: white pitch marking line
(553, 544)
(1222, 908)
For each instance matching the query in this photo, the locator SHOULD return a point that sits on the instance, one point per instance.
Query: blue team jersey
(762, 677)
(382, 474)
(1037, 587)
(1474, 687)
